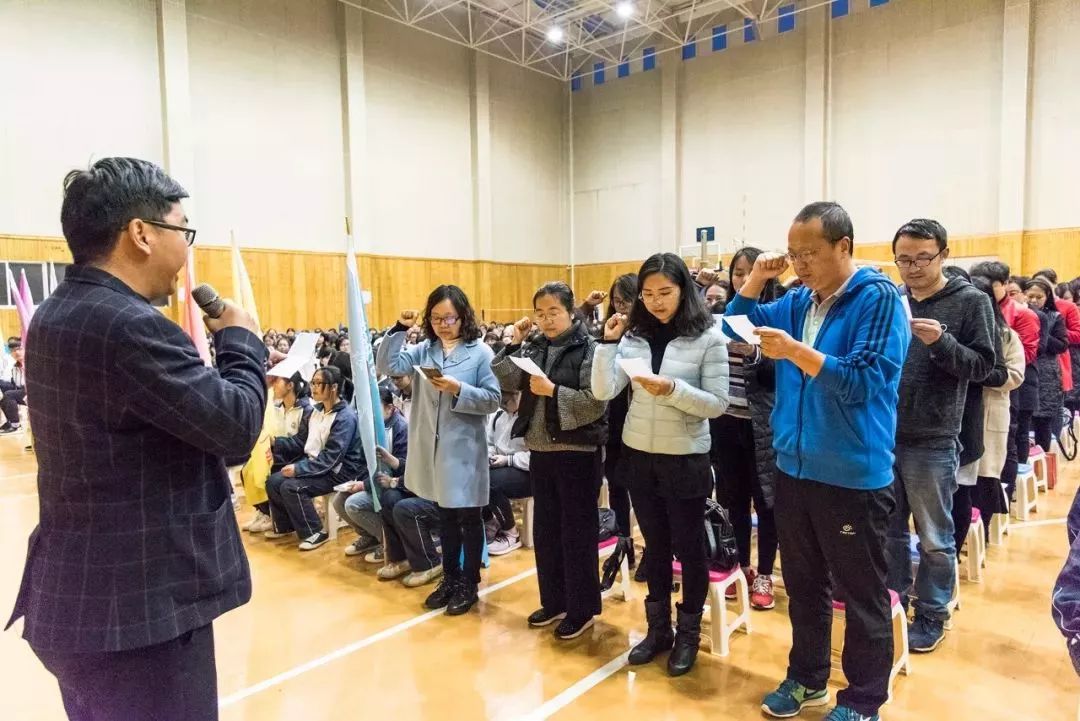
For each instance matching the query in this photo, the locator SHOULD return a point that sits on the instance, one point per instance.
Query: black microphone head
(208, 300)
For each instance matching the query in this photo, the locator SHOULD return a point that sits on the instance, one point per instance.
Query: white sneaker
(376, 556)
(274, 535)
(419, 578)
(393, 570)
(261, 524)
(314, 541)
(505, 542)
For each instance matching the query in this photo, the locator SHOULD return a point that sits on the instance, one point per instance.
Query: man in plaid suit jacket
(137, 550)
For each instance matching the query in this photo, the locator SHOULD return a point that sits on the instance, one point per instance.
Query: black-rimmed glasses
(189, 233)
(917, 262)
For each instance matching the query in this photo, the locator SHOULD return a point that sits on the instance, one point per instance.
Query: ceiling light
(624, 9)
(555, 34)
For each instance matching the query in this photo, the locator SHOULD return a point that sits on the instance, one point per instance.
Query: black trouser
(1016, 447)
(618, 494)
(9, 404)
(291, 504)
(567, 530)
(828, 532)
(1045, 430)
(507, 484)
(172, 681)
(986, 496)
(737, 485)
(462, 528)
(961, 515)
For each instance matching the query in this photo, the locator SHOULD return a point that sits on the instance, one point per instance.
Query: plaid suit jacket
(137, 542)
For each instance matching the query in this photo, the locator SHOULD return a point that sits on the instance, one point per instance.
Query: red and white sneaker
(761, 593)
(730, 593)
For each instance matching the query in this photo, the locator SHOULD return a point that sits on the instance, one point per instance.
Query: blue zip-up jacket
(839, 427)
(341, 456)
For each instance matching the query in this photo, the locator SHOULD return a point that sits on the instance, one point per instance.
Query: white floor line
(1032, 524)
(363, 643)
(579, 689)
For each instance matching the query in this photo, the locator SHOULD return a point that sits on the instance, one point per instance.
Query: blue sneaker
(843, 713)
(790, 698)
(925, 634)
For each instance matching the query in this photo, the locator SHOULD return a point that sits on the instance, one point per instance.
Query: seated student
(13, 391)
(509, 459)
(355, 505)
(285, 417)
(327, 455)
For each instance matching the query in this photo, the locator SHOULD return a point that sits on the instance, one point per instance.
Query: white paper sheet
(741, 324)
(907, 305)
(527, 365)
(635, 367)
(301, 357)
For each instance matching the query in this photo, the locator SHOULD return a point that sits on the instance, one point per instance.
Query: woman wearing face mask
(323, 454)
(285, 417)
(448, 461)
(742, 450)
(1053, 340)
(564, 427)
(666, 438)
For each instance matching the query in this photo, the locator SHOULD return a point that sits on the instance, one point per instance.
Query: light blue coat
(448, 454)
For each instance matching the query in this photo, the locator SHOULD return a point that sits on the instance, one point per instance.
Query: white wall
(1054, 160)
(266, 118)
(617, 170)
(78, 82)
(267, 133)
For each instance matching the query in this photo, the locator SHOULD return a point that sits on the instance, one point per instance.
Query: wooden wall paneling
(1057, 249)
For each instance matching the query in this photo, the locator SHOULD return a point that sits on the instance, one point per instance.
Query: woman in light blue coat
(454, 389)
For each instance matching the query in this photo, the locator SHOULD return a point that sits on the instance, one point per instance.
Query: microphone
(208, 300)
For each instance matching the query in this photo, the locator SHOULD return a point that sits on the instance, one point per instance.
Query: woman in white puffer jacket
(679, 382)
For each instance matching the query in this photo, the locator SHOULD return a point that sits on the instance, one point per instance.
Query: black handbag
(720, 546)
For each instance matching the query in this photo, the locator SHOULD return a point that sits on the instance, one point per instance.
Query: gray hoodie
(935, 377)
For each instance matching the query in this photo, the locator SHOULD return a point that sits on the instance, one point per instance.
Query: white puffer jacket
(676, 424)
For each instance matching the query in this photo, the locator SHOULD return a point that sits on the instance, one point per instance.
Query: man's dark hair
(691, 319)
(993, 270)
(835, 221)
(955, 271)
(13, 341)
(560, 291)
(99, 202)
(923, 228)
(1049, 273)
(470, 331)
(386, 396)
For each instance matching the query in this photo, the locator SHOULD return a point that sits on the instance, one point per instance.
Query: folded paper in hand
(527, 365)
(741, 324)
(301, 357)
(907, 305)
(635, 367)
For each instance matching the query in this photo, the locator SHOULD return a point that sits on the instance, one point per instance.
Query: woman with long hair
(742, 452)
(564, 428)
(454, 389)
(679, 382)
(1053, 340)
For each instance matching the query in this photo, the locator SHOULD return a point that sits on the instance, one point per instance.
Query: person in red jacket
(1071, 314)
(1025, 399)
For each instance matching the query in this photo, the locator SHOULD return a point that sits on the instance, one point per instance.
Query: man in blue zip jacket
(840, 343)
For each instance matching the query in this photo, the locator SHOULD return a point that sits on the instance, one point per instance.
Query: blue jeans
(925, 481)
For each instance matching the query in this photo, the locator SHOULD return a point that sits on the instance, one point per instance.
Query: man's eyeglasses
(806, 257)
(445, 320)
(189, 233)
(922, 262)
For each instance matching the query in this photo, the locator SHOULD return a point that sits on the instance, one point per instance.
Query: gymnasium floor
(323, 639)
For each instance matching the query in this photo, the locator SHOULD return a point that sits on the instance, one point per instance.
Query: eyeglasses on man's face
(920, 262)
(805, 257)
(189, 233)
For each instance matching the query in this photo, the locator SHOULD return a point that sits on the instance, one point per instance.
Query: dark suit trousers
(566, 530)
(10, 398)
(291, 507)
(172, 681)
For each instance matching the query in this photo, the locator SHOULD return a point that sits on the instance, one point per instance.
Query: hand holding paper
(634, 367)
(527, 365)
(741, 324)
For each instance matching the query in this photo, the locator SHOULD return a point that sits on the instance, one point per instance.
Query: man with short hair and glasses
(137, 550)
(954, 345)
(839, 343)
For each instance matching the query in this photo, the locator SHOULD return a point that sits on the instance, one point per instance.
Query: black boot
(687, 641)
(660, 636)
(440, 597)
(641, 574)
(631, 553)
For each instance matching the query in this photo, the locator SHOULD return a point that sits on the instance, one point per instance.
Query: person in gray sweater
(953, 325)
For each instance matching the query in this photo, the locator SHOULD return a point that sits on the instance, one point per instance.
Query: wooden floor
(324, 639)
